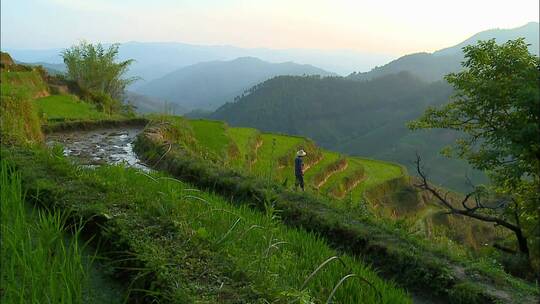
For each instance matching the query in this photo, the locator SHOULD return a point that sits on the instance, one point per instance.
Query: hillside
(146, 104)
(433, 67)
(208, 85)
(358, 118)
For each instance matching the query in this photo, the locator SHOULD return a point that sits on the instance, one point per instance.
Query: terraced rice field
(67, 107)
(271, 156)
(376, 172)
(337, 182)
(274, 146)
(246, 141)
(211, 134)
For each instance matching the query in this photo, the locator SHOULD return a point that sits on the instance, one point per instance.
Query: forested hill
(209, 85)
(365, 118)
(434, 66)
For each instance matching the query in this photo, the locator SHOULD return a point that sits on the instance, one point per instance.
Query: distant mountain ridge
(208, 85)
(434, 66)
(156, 59)
(529, 31)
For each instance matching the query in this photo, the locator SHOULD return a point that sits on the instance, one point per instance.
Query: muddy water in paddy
(97, 147)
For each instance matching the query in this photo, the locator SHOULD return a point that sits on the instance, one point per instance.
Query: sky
(382, 27)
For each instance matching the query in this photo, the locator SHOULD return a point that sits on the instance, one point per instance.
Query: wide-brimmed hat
(301, 153)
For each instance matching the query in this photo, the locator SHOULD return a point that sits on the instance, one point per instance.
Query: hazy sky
(388, 27)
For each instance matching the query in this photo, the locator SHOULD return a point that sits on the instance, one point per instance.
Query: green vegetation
(365, 118)
(377, 172)
(29, 82)
(345, 181)
(19, 122)
(230, 230)
(273, 146)
(392, 249)
(37, 262)
(246, 139)
(212, 134)
(192, 246)
(96, 71)
(56, 108)
(29, 97)
(497, 109)
(379, 187)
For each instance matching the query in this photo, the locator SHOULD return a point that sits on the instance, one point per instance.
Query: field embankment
(413, 263)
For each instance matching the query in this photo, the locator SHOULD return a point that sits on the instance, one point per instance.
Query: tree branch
(466, 211)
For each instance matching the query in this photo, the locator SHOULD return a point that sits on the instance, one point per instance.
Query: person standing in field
(299, 169)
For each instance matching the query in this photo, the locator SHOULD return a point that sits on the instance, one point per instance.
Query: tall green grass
(275, 146)
(68, 107)
(30, 81)
(193, 246)
(246, 140)
(274, 258)
(211, 134)
(38, 265)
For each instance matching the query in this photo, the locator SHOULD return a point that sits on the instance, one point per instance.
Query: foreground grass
(416, 263)
(38, 266)
(193, 246)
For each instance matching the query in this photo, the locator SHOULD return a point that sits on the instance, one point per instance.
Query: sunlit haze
(385, 27)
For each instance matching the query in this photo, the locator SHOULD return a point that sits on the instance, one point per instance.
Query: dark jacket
(298, 166)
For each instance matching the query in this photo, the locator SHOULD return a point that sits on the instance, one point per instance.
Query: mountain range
(433, 66)
(208, 85)
(156, 59)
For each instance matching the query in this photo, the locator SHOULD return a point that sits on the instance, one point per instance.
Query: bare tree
(472, 206)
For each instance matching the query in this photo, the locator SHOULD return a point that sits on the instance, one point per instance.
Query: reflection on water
(105, 146)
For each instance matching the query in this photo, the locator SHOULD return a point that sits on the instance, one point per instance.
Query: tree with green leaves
(96, 69)
(496, 108)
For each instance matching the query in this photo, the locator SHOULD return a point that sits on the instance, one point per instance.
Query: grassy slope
(274, 146)
(334, 181)
(68, 107)
(38, 261)
(377, 172)
(417, 263)
(215, 136)
(242, 136)
(212, 134)
(18, 120)
(30, 82)
(195, 246)
(328, 158)
(245, 141)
